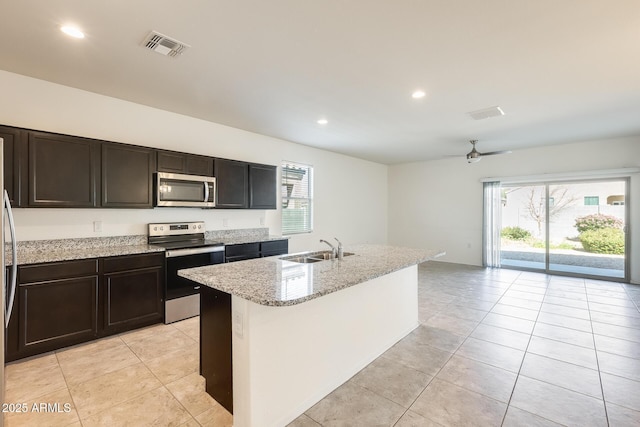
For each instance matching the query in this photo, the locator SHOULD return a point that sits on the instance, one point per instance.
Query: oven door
(174, 189)
(179, 259)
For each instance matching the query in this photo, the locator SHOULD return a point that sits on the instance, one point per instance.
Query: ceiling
(562, 71)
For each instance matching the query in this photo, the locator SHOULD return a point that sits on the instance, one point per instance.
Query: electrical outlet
(97, 226)
(225, 222)
(262, 221)
(238, 324)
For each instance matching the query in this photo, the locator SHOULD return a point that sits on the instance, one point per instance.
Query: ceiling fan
(475, 156)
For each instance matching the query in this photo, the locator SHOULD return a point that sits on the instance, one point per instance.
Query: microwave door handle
(206, 192)
(14, 258)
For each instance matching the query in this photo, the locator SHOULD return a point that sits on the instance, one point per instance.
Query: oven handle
(194, 251)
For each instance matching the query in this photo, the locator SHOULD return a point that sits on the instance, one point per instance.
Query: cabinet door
(199, 165)
(232, 181)
(63, 171)
(15, 164)
(216, 356)
(175, 162)
(262, 187)
(172, 162)
(133, 298)
(127, 176)
(56, 313)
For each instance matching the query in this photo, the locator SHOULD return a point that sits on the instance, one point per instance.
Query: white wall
(438, 204)
(350, 194)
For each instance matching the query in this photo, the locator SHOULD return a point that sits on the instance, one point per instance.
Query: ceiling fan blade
(491, 153)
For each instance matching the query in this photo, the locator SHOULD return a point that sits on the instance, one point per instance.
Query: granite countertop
(275, 282)
(42, 251)
(42, 256)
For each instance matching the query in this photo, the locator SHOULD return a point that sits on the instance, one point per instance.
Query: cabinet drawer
(274, 247)
(243, 249)
(57, 270)
(133, 262)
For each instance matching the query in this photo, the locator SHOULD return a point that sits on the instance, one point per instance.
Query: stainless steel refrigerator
(8, 282)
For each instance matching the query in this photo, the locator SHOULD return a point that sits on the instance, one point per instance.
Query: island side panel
(215, 345)
(288, 358)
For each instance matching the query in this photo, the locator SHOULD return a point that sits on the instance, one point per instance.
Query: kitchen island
(276, 335)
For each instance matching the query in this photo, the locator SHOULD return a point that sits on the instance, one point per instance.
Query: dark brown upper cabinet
(15, 164)
(262, 186)
(127, 176)
(191, 164)
(64, 171)
(232, 181)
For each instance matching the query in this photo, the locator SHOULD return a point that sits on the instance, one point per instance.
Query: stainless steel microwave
(179, 190)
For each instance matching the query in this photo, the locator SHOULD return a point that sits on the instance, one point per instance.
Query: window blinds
(297, 198)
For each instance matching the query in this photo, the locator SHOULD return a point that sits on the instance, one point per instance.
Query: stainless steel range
(185, 247)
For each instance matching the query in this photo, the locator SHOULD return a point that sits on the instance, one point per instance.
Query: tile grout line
(455, 352)
(75, 406)
(159, 380)
(515, 384)
(595, 347)
(447, 361)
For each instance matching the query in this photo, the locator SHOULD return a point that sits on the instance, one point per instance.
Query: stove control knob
(199, 227)
(194, 227)
(155, 228)
(161, 228)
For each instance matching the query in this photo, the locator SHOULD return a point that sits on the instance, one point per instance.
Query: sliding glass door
(575, 228)
(524, 224)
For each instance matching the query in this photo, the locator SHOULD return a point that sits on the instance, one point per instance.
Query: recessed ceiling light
(323, 121)
(418, 94)
(72, 31)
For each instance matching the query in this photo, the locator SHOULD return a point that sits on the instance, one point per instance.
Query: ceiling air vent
(485, 113)
(164, 45)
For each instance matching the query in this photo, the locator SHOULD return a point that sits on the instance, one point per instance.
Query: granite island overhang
(277, 336)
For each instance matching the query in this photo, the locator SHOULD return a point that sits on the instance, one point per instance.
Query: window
(591, 200)
(297, 198)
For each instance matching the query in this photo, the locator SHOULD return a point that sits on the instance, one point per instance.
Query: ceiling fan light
(473, 159)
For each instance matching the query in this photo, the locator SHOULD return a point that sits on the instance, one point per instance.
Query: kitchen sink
(311, 257)
(302, 259)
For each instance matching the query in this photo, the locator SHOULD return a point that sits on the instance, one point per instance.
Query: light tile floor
(140, 378)
(502, 348)
(495, 347)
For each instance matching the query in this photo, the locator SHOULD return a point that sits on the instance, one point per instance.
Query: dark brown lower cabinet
(132, 292)
(56, 306)
(60, 304)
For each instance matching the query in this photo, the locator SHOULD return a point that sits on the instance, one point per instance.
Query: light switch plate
(97, 226)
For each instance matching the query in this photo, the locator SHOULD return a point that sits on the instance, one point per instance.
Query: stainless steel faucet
(340, 249)
(335, 252)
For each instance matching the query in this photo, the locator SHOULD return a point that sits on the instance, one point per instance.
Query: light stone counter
(41, 251)
(275, 282)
